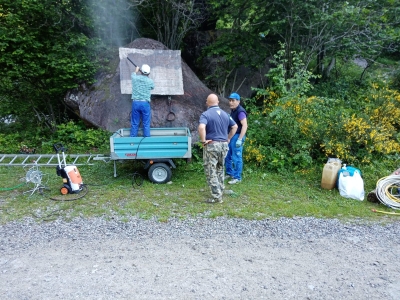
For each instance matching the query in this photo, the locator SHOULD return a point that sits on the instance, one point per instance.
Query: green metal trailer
(157, 151)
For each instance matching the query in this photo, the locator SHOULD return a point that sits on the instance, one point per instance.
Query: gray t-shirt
(218, 123)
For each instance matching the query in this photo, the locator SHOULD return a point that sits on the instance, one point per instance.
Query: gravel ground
(299, 258)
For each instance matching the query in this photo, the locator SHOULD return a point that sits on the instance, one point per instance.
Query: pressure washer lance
(131, 61)
(72, 180)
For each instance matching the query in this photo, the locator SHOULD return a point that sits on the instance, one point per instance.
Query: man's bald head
(212, 100)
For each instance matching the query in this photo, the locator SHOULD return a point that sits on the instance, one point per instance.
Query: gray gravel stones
(199, 258)
(295, 228)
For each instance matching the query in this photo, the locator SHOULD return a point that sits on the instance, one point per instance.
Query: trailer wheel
(160, 173)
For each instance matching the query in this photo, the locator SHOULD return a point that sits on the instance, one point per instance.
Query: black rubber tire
(67, 187)
(160, 173)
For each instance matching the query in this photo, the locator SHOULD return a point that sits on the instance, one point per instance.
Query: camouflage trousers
(214, 161)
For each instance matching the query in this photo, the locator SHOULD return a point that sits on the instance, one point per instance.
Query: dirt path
(199, 259)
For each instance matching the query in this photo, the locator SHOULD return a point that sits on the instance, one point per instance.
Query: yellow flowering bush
(253, 152)
(300, 129)
(290, 127)
(373, 129)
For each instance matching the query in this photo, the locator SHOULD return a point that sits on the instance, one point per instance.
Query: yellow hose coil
(388, 191)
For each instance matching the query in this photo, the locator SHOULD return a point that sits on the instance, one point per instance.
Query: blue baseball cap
(235, 96)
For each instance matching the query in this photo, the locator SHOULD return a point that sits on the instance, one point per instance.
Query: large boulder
(103, 105)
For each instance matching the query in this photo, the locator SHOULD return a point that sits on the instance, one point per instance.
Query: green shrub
(9, 143)
(12, 141)
(78, 139)
(289, 130)
(395, 80)
(75, 137)
(275, 136)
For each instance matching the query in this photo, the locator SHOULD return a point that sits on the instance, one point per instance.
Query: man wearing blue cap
(215, 129)
(234, 160)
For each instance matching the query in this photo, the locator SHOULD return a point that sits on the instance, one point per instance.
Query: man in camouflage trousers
(216, 129)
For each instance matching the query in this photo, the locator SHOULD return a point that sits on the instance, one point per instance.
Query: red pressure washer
(72, 180)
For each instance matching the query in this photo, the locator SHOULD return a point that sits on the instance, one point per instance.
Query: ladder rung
(38, 159)
(25, 159)
(76, 158)
(51, 158)
(13, 159)
(34, 159)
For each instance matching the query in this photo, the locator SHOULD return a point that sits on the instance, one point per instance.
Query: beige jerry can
(329, 174)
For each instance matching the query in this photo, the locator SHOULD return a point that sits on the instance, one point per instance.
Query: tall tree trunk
(320, 61)
(329, 68)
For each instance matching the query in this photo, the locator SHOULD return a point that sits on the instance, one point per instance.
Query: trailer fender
(153, 161)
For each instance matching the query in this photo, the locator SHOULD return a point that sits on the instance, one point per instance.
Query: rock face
(103, 105)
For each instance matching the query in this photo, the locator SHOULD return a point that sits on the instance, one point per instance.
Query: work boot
(215, 200)
(228, 192)
(227, 177)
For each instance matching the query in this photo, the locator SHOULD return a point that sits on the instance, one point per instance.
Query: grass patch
(261, 195)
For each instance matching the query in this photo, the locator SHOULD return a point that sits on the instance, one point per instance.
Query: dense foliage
(249, 32)
(303, 127)
(315, 102)
(45, 50)
(74, 136)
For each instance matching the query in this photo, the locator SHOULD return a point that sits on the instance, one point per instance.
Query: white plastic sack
(351, 186)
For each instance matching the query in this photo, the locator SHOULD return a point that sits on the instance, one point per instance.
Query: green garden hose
(12, 188)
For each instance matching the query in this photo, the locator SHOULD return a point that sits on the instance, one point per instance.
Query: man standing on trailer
(141, 97)
(214, 126)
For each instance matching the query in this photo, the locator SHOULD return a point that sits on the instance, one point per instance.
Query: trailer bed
(163, 143)
(157, 151)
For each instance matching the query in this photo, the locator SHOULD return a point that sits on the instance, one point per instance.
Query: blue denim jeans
(140, 109)
(234, 160)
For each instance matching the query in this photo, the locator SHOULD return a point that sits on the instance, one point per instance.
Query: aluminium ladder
(46, 159)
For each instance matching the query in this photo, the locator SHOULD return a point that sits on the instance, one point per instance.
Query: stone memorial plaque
(166, 69)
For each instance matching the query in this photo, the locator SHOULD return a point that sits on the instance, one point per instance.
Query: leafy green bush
(13, 139)
(77, 139)
(290, 130)
(370, 130)
(395, 81)
(276, 138)
(9, 143)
